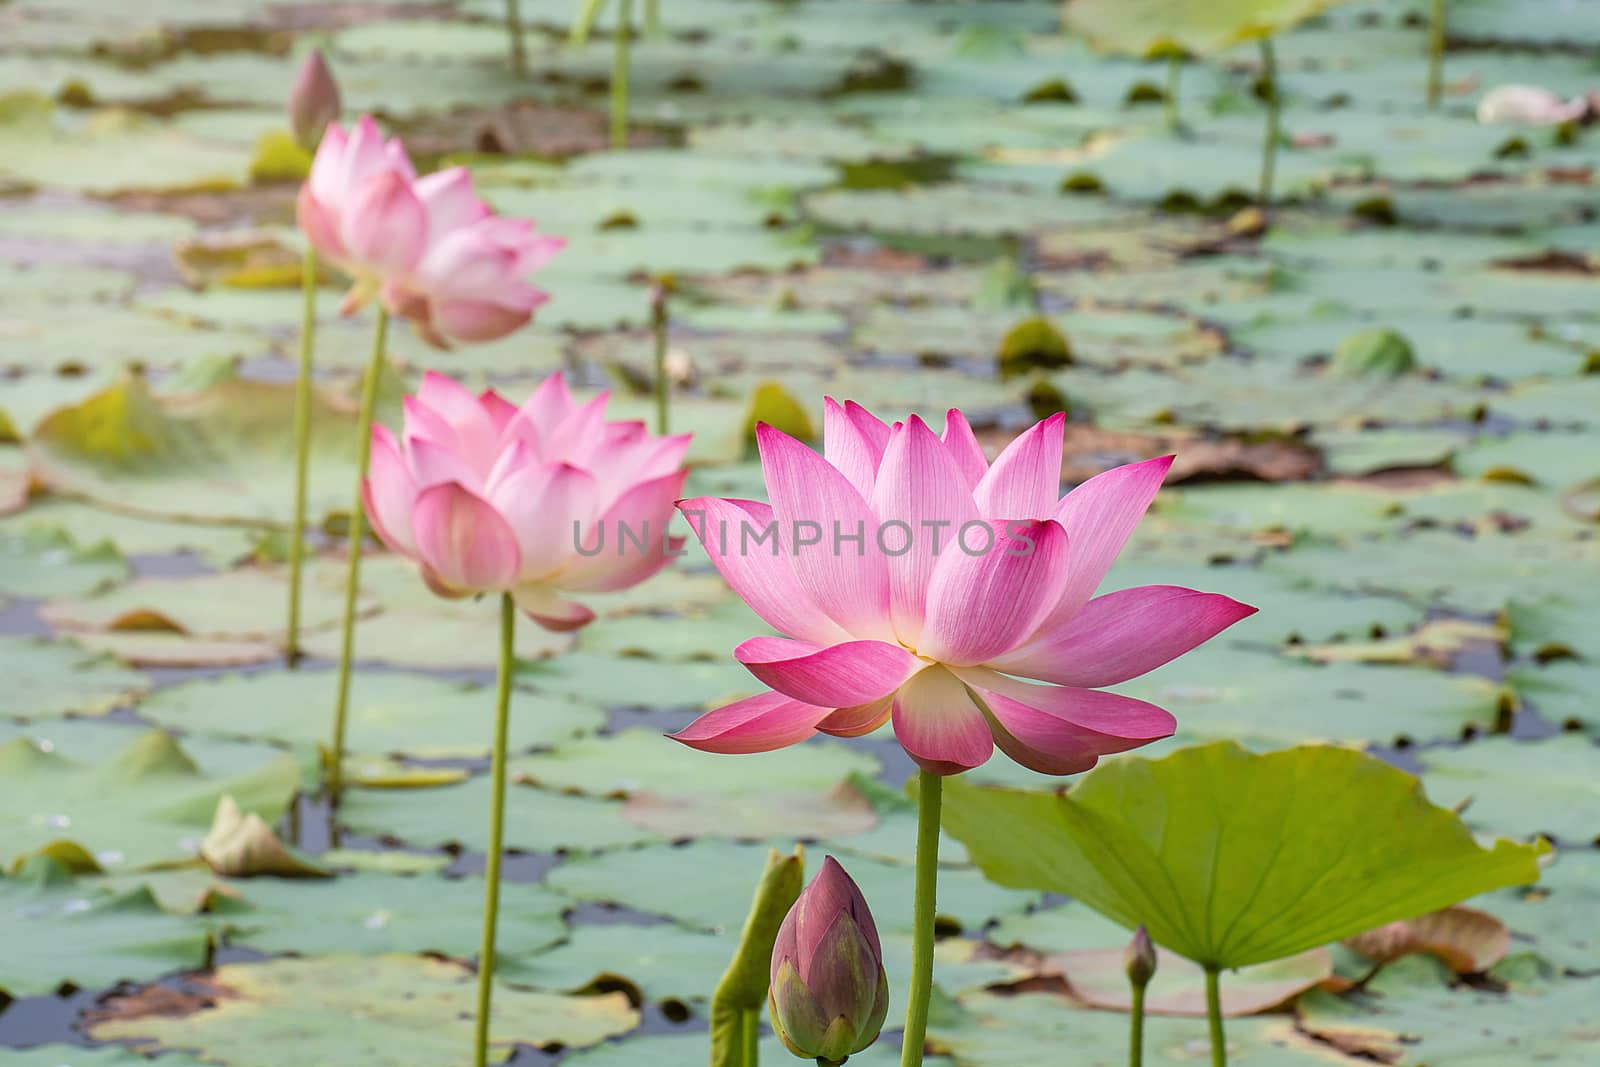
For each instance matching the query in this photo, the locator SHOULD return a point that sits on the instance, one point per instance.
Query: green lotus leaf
(1231, 858)
(1155, 27)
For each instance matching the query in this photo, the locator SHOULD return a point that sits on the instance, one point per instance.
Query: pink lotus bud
(313, 101)
(538, 501)
(1528, 105)
(829, 993)
(1140, 959)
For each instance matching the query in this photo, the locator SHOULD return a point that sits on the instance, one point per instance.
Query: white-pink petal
(938, 725)
(986, 598)
(741, 538)
(463, 540)
(1024, 481)
(836, 676)
(1099, 516)
(1124, 634)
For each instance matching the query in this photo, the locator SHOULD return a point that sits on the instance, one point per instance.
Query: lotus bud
(1140, 959)
(313, 101)
(829, 993)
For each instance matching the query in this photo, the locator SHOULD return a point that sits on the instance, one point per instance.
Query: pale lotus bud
(1528, 105)
(313, 101)
(829, 993)
(1140, 959)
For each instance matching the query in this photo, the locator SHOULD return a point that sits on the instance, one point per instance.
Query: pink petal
(390, 493)
(815, 503)
(1123, 635)
(548, 506)
(546, 408)
(1024, 482)
(319, 225)
(327, 166)
(857, 721)
(423, 422)
(547, 608)
(464, 539)
(478, 321)
(448, 196)
(756, 724)
(763, 579)
(640, 516)
(434, 464)
(1060, 730)
(500, 410)
(477, 436)
(384, 225)
(848, 448)
(838, 676)
(982, 604)
(1099, 517)
(938, 725)
(964, 448)
(922, 503)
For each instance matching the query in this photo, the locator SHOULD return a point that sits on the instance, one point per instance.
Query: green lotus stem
(652, 17)
(1269, 149)
(1174, 73)
(929, 793)
(497, 825)
(519, 52)
(1219, 1041)
(619, 75)
(302, 449)
(352, 575)
(752, 1037)
(1136, 1028)
(1436, 30)
(658, 327)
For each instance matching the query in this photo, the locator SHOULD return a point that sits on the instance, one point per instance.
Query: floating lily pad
(63, 929)
(47, 679)
(403, 1010)
(1523, 787)
(131, 797)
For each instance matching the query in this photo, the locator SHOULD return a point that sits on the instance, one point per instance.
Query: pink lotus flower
(918, 582)
(537, 501)
(829, 993)
(434, 250)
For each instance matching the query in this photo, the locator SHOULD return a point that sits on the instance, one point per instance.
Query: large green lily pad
(1191, 847)
(409, 1011)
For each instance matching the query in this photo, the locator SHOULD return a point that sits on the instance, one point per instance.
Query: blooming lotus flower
(1529, 105)
(539, 500)
(917, 582)
(313, 100)
(829, 992)
(429, 245)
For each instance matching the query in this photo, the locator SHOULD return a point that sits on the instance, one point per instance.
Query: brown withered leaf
(1467, 940)
(1090, 450)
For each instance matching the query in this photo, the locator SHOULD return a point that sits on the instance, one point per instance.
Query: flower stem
(929, 794)
(752, 1037)
(1219, 1042)
(1269, 148)
(619, 75)
(1436, 35)
(1136, 1031)
(519, 53)
(652, 17)
(497, 821)
(352, 576)
(1174, 73)
(302, 450)
(658, 329)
